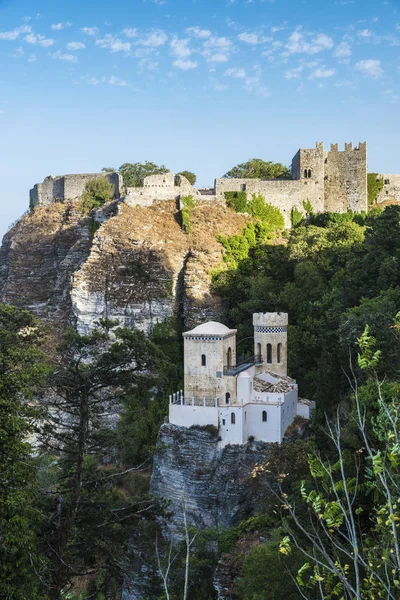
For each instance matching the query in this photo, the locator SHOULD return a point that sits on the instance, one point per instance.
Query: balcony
(242, 364)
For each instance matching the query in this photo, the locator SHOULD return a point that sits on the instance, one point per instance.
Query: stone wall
(391, 188)
(63, 188)
(160, 187)
(346, 179)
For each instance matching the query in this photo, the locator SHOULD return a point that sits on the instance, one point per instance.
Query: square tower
(270, 340)
(208, 349)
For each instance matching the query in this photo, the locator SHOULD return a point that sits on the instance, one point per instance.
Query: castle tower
(270, 340)
(208, 350)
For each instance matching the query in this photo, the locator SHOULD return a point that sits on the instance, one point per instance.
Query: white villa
(242, 398)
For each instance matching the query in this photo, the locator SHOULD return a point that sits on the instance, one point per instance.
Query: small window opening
(243, 187)
(309, 173)
(269, 354)
(223, 421)
(233, 418)
(229, 357)
(203, 360)
(227, 397)
(264, 416)
(245, 417)
(258, 351)
(305, 173)
(279, 353)
(387, 181)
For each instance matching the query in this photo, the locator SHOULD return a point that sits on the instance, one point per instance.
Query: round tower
(270, 341)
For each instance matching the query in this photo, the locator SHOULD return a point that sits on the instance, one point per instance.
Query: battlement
(275, 319)
(348, 147)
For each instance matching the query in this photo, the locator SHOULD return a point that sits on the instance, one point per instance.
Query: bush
(187, 202)
(270, 215)
(96, 193)
(375, 186)
(296, 217)
(237, 201)
(211, 429)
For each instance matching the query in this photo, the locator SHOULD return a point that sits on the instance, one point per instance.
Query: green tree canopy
(256, 168)
(97, 192)
(375, 186)
(134, 173)
(191, 177)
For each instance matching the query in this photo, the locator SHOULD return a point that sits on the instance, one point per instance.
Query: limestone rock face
(133, 263)
(214, 486)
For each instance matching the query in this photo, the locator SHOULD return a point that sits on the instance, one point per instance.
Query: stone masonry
(63, 188)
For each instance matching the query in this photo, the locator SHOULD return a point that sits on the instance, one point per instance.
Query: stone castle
(332, 180)
(244, 398)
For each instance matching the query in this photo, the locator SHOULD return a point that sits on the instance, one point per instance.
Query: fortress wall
(346, 179)
(391, 190)
(69, 187)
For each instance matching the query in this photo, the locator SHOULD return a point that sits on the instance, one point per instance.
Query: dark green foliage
(97, 192)
(109, 170)
(134, 173)
(187, 203)
(94, 226)
(374, 186)
(191, 177)
(22, 368)
(237, 201)
(308, 207)
(256, 168)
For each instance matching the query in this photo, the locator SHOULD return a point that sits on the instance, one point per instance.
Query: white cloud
(370, 67)
(185, 65)
(59, 26)
(130, 32)
(253, 85)
(76, 45)
(217, 49)
(249, 38)
(90, 30)
(297, 43)
(154, 40)
(38, 40)
(179, 47)
(15, 33)
(239, 73)
(343, 50)
(322, 73)
(109, 80)
(365, 33)
(63, 56)
(32, 58)
(294, 73)
(198, 33)
(114, 44)
(116, 81)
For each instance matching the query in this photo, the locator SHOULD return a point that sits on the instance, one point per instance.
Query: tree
(256, 168)
(92, 514)
(96, 193)
(134, 173)
(109, 170)
(191, 177)
(22, 369)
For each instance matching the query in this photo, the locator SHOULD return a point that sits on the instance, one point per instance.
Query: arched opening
(233, 418)
(305, 173)
(229, 357)
(264, 416)
(227, 398)
(279, 353)
(203, 360)
(269, 354)
(309, 173)
(259, 351)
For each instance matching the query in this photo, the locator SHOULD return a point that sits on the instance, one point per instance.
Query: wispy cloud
(14, 34)
(217, 49)
(322, 73)
(253, 38)
(63, 56)
(113, 44)
(236, 72)
(38, 40)
(76, 45)
(130, 32)
(108, 80)
(154, 39)
(343, 50)
(197, 32)
(298, 43)
(180, 48)
(60, 26)
(370, 67)
(90, 30)
(184, 65)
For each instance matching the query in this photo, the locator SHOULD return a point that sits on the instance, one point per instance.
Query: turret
(270, 340)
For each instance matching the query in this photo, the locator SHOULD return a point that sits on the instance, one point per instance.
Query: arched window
(233, 418)
(245, 416)
(203, 360)
(229, 357)
(279, 353)
(269, 354)
(309, 173)
(259, 350)
(227, 397)
(264, 416)
(305, 173)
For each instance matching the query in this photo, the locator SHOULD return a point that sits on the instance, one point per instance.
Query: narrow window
(229, 357)
(243, 187)
(259, 351)
(233, 419)
(279, 352)
(269, 354)
(264, 416)
(309, 173)
(305, 173)
(223, 421)
(227, 397)
(387, 181)
(203, 360)
(245, 417)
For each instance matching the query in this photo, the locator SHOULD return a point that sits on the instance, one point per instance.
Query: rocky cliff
(213, 486)
(131, 263)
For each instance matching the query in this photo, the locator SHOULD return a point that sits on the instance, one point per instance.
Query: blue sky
(193, 84)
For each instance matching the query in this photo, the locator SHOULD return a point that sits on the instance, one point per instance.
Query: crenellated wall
(346, 179)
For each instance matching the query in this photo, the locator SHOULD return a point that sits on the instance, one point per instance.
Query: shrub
(308, 207)
(96, 193)
(237, 201)
(375, 186)
(296, 217)
(187, 202)
(270, 215)
(211, 429)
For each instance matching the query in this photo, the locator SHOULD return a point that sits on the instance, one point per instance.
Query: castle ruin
(332, 180)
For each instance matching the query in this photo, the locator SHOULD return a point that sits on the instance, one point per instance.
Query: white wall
(303, 410)
(186, 416)
(245, 385)
(231, 434)
(289, 411)
(268, 431)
